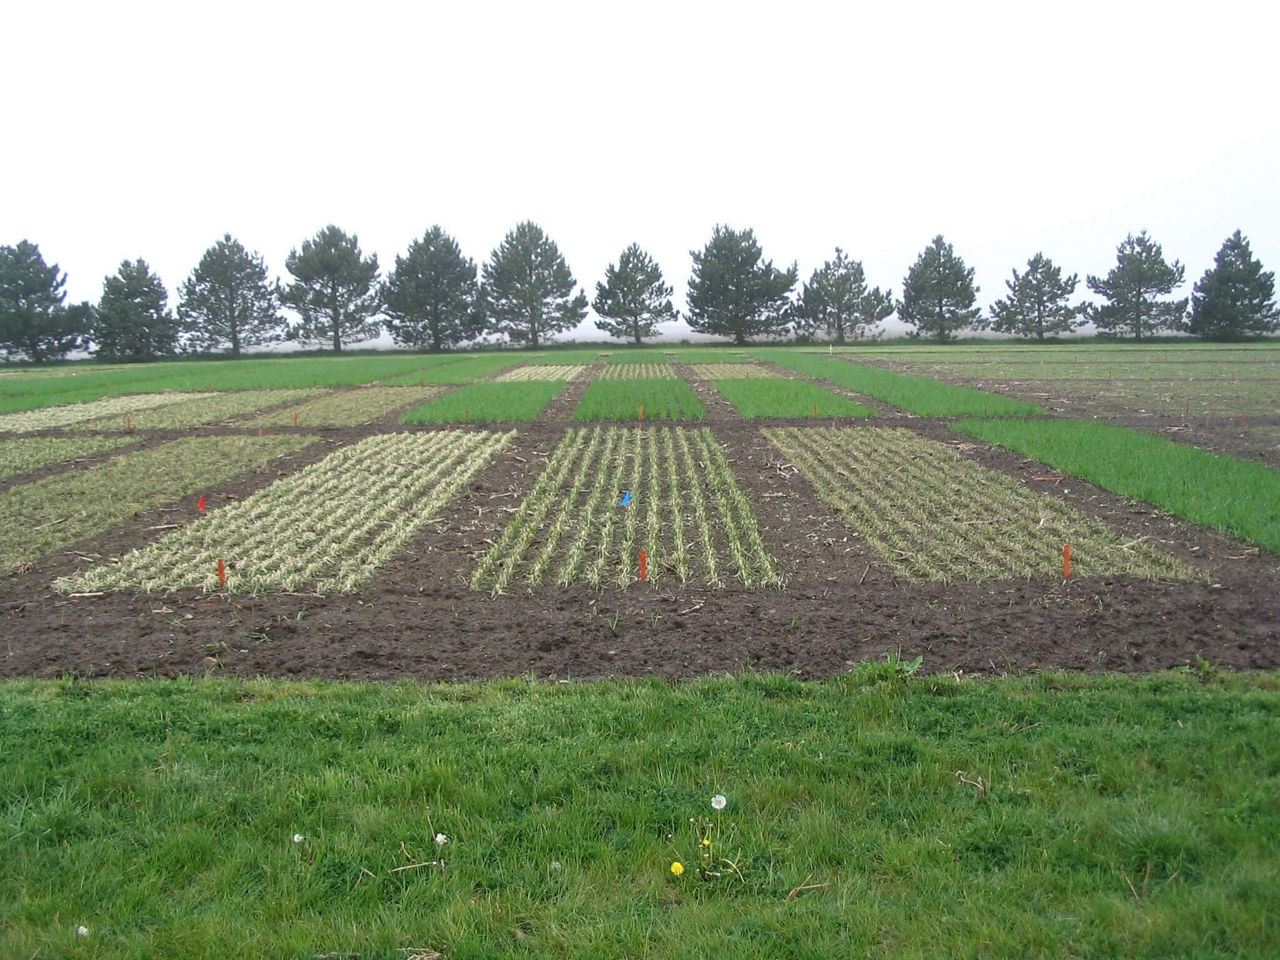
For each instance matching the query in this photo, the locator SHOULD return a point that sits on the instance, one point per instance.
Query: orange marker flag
(1066, 561)
(644, 565)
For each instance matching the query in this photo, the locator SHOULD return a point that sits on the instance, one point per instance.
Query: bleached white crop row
(47, 418)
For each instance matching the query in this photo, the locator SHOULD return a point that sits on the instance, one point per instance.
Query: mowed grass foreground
(878, 814)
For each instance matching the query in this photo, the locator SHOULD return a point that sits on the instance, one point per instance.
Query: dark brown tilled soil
(719, 409)
(418, 619)
(566, 401)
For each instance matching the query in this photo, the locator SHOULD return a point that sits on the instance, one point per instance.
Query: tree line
(435, 297)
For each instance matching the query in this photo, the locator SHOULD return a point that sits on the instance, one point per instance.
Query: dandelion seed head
(441, 839)
(82, 931)
(718, 802)
(298, 838)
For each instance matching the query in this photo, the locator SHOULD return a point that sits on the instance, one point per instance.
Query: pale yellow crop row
(347, 408)
(47, 418)
(563, 372)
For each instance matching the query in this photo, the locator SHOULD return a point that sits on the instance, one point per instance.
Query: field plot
(347, 408)
(50, 418)
(642, 355)
(637, 370)
(488, 403)
(458, 370)
(43, 516)
(933, 515)
(732, 371)
(608, 493)
(20, 454)
(792, 399)
(547, 371)
(1194, 398)
(558, 357)
(326, 528)
(639, 400)
(204, 409)
(1237, 496)
(919, 395)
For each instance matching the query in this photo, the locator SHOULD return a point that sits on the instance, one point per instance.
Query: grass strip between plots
(932, 515)
(162, 817)
(918, 395)
(50, 418)
(40, 517)
(549, 371)
(608, 493)
(346, 408)
(326, 528)
(21, 454)
(639, 400)
(489, 402)
(637, 371)
(206, 409)
(790, 399)
(1237, 496)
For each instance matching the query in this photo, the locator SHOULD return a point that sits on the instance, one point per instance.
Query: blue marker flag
(626, 497)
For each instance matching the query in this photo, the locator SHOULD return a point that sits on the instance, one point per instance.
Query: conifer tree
(938, 294)
(430, 297)
(334, 290)
(35, 324)
(1037, 302)
(734, 292)
(133, 321)
(1133, 290)
(227, 302)
(836, 301)
(1235, 299)
(527, 290)
(633, 299)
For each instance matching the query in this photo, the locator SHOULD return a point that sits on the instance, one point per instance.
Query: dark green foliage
(836, 301)
(333, 289)
(1133, 287)
(527, 290)
(733, 292)
(430, 298)
(227, 301)
(1037, 302)
(1235, 299)
(133, 321)
(938, 294)
(633, 299)
(34, 324)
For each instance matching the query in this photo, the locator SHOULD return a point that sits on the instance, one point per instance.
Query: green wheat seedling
(325, 529)
(934, 515)
(346, 408)
(605, 494)
(488, 403)
(638, 400)
(789, 399)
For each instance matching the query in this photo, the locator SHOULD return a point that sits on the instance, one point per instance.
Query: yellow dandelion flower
(677, 868)
(706, 841)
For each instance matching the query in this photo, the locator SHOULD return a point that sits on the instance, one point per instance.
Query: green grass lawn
(919, 395)
(1237, 496)
(1054, 815)
(775, 397)
(508, 402)
(661, 399)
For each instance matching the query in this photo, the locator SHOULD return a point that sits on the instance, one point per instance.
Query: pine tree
(132, 321)
(633, 299)
(938, 294)
(1133, 287)
(333, 290)
(837, 302)
(527, 291)
(733, 292)
(228, 302)
(430, 297)
(34, 323)
(1037, 302)
(1236, 298)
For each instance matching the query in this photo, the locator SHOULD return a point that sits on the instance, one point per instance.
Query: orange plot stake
(128, 422)
(815, 411)
(644, 565)
(1244, 421)
(642, 411)
(222, 574)
(466, 416)
(295, 418)
(1066, 561)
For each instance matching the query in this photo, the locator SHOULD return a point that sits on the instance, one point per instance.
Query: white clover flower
(82, 931)
(718, 802)
(441, 840)
(555, 866)
(298, 838)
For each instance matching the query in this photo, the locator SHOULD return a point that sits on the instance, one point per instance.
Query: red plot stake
(200, 503)
(644, 565)
(1066, 561)
(222, 574)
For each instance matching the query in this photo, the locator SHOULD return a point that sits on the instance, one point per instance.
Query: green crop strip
(790, 399)
(20, 454)
(161, 816)
(488, 403)
(933, 515)
(38, 518)
(639, 400)
(462, 370)
(919, 395)
(1236, 496)
(346, 408)
(326, 528)
(608, 493)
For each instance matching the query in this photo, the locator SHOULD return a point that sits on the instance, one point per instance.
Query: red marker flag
(200, 503)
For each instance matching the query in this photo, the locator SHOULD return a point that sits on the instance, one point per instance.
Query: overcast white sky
(149, 130)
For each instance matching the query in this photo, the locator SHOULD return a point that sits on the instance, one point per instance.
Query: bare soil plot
(49, 418)
(608, 493)
(932, 515)
(45, 515)
(347, 408)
